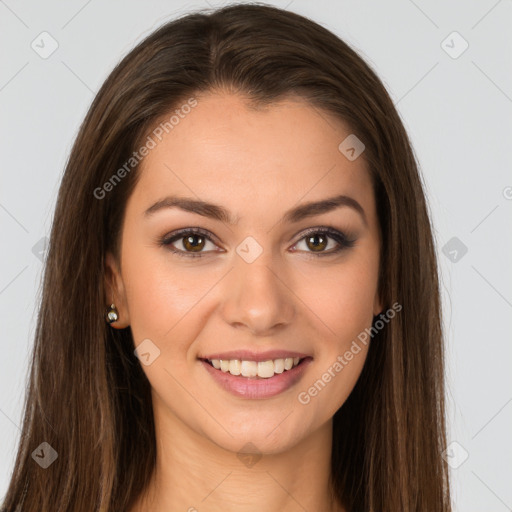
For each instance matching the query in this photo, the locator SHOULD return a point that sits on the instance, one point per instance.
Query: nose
(258, 297)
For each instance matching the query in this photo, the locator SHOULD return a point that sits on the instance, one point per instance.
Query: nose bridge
(257, 296)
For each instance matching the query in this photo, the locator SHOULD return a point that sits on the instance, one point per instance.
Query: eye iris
(193, 247)
(317, 247)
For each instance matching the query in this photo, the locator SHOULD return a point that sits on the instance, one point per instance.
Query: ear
(377, 304)
(115, 290)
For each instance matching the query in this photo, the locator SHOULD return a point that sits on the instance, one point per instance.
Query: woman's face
(260, 282)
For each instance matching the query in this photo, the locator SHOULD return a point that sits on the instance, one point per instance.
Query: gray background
(456, 107)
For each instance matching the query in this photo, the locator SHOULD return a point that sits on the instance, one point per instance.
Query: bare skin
(257, 165)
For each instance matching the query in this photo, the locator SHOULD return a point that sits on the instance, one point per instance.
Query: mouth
(250, 379)
(251, 369)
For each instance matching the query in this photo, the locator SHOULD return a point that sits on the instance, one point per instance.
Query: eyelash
(338, 236)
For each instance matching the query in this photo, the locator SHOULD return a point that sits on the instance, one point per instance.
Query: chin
(268, 435)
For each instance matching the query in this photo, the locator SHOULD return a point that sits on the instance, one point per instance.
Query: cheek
(344, 312)
(342, 299)
(160, 295)
(341, 305)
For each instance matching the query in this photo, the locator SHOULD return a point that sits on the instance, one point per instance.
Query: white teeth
(279, 366)
(235, 367)
(249, 368)
(262, 369)
(266, 369)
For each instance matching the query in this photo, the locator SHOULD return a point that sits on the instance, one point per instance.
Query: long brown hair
(88, 397)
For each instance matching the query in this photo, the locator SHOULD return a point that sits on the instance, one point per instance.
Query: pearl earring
(112, 314)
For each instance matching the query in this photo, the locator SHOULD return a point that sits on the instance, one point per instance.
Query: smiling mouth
(253, 369)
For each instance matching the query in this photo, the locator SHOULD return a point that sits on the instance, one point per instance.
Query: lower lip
(253, 388)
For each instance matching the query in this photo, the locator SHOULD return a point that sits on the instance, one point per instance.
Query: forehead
(227, 152)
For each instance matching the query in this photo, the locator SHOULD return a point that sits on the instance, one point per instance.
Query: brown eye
(324, 241)
(190, 243)
(317, 243)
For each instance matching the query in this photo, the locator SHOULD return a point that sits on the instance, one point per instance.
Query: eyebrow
(218, 212)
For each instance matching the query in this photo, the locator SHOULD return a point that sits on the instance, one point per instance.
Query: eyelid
(343, 240)
(185, 231)
(168, 239)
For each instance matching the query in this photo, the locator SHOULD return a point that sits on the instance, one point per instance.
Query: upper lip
(249, 355)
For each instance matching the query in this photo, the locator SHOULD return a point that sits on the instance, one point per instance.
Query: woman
(243, 199)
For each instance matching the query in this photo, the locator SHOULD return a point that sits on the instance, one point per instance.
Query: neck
(194, 474)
